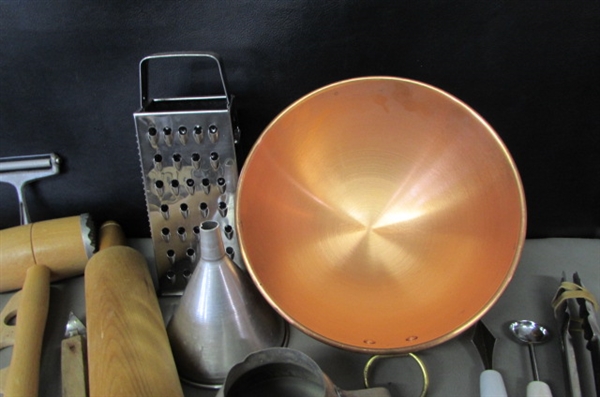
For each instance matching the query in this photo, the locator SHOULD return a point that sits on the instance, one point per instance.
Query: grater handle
(144, 97)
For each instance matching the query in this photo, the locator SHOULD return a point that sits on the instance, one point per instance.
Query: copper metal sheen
(381, 215)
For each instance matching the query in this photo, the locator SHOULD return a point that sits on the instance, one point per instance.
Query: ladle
(531, 333)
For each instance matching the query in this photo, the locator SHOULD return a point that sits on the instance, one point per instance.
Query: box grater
(187, 154)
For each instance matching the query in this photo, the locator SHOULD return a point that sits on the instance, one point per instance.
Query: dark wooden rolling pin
(64, 245)
(128, 348)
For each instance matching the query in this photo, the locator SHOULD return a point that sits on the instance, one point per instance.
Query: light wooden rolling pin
(24, 370)
(128, 348)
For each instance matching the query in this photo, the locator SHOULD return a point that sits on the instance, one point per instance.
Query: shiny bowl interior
(380, 215)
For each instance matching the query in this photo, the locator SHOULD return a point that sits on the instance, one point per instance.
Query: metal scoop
(532, 333)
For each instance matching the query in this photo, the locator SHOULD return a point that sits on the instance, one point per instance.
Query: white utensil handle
(538, 389)
(491, 384)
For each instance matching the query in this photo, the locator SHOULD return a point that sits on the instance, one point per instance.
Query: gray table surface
(453, 367)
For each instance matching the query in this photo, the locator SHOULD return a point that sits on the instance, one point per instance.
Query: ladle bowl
(380, 215)
(530, 333)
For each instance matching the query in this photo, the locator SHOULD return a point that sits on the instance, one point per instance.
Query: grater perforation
(190, 173)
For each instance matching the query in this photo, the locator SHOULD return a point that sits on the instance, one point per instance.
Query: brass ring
(370, 363)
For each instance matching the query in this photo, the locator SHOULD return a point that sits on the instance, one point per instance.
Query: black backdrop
(69, 84)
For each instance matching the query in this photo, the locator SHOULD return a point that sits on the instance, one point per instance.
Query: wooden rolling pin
(128, 348)
(24, 370)
(64, 245)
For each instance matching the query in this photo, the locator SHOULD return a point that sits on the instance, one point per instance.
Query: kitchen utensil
(380, 215)
(128, 348)
(22, 170)
(578, 365)
(7, 330)
(64, 245)
(189, 168)
(531, 333)
(491, 383)
(73, 359)
(378, 357)
(221, 317)
(285, 372)
(575, 308)
(22, 378)
(591, 329)
(571, 335)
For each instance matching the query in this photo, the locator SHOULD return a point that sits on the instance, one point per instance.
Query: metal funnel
(221, 317)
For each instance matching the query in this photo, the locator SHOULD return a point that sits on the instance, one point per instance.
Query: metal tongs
(575, 308)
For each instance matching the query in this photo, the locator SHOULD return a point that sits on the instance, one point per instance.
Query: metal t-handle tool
(21, 170)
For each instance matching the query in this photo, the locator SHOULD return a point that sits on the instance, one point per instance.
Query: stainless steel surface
(570, 336)
(285, 372)
(381, 215)
(88, 234)
(221, 317)
(484, 341)
(21, 170)
(591, 330)
(186, 178)
(74, 326)
(531, 333)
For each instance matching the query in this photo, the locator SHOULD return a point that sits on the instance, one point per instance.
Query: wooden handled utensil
(31, 306)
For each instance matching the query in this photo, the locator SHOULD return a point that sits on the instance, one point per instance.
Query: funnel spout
(221, 317)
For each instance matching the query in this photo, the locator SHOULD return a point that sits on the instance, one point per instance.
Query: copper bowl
(380, 215)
